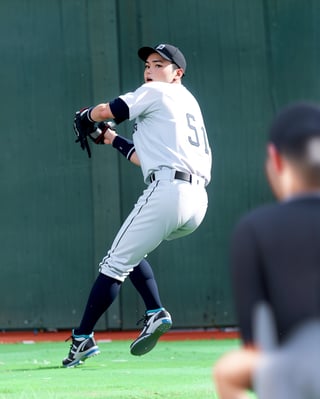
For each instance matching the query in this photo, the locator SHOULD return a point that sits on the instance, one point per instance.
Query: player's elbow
(102, 112)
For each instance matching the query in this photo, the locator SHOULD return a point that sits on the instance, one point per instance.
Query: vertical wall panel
(60, 210)
(48, 244)
(105, 187)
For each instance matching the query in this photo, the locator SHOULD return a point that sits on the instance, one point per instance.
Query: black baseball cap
(167, 51)
(294, 125)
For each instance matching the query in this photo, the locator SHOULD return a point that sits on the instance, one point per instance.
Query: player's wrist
(85, 115)
(89, 115)
(112, 137)
(124, 146)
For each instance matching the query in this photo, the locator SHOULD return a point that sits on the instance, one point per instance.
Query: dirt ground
(174, 335)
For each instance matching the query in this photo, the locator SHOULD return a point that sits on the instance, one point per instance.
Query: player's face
(158, 69)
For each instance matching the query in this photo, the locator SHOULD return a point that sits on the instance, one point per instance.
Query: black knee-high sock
(103, 293)
(144, 281)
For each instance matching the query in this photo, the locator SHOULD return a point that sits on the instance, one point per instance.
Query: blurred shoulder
(261, 215)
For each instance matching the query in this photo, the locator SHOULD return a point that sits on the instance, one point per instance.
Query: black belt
(177, 175)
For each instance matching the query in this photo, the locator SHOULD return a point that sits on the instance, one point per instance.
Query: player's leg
(102, 295)
(166, 210)
(163, 208)
(104, 291)
(153, 218)
(142, 277)
(156, 319)
(192, 208)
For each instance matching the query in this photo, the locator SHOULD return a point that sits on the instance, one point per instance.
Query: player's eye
(146, 66)
(159, 65)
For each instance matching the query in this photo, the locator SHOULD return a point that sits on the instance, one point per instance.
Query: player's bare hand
(109, 136)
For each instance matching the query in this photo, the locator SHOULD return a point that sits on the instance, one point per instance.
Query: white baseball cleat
(82, 347)
(155, 324)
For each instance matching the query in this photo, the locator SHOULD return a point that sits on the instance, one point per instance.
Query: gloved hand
(83, 126)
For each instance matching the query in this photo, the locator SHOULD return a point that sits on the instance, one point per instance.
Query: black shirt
(275, 257)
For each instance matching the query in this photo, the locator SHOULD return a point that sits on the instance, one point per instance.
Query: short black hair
(294, 126)
(295, 132)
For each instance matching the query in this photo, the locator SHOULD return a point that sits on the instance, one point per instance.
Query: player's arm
(117, 110)
(248, 287)
(123, 145)
(101, 112)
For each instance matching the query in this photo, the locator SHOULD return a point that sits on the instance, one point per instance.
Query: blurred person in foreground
(275, 269)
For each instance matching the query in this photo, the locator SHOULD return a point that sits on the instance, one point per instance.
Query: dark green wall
(60, 210)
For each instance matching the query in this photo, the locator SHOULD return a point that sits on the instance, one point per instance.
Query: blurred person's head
(293, 150)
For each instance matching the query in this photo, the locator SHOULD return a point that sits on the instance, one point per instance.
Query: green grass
(175, 370)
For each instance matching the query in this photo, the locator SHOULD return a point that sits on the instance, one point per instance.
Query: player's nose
(147, 76)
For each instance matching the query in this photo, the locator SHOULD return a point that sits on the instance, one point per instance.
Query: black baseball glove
(83, 125)
(85, 128)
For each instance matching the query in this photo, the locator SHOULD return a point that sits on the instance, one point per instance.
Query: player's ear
(179, 72)
(274, 157)
(273, 169)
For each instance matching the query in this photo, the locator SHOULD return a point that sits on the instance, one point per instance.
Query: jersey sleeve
(140, 101)
(246, 275)
(119, 109)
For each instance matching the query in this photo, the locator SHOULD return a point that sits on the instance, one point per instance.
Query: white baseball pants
(167, 209)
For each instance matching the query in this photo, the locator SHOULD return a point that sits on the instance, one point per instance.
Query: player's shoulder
(158, 90)
(163, 87)
(279, 213)
(261, 215)
(155, 85)
(291, 207)
(153, 89)
(264, 210)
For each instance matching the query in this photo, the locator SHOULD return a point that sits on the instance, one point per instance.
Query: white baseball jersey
(169, 129)
(169, 137)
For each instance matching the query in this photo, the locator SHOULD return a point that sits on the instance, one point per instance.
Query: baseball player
(275, 265)
(170, 144)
